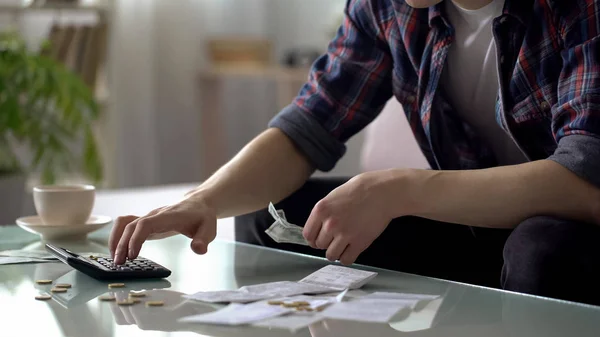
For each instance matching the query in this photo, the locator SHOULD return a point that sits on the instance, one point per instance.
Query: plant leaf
(47, 107)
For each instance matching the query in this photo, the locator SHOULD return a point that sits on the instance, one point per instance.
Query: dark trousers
(543, 256)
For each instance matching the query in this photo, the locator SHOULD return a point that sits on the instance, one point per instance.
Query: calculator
(103, 268)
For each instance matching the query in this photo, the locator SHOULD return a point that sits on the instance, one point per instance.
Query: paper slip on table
(461, 310)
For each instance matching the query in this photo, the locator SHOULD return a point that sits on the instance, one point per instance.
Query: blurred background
(130, 93)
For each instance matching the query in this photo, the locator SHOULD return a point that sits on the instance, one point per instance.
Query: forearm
(499, 197)
(268, 169)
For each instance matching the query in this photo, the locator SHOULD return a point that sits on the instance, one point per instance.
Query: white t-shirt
(470, 77)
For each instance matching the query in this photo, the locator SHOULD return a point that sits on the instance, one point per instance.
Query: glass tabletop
(461, 310)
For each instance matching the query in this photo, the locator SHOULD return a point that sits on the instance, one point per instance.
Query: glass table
(462, 310)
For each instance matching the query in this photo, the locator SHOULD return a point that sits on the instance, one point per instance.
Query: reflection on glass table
(461, 310)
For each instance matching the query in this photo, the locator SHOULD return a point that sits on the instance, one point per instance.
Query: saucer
(34, 224)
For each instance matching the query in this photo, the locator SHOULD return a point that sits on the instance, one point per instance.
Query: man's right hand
(247, 183)
(191, 217)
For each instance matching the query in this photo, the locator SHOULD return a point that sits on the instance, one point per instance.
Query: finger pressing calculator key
(103, 268)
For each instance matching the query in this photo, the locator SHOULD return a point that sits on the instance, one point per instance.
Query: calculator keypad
(140, 264)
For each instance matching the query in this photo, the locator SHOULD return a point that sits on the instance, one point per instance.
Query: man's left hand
(349, 219)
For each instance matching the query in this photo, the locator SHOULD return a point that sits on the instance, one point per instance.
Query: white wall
(150, 134)
(303, 23)
(132, 120)
(179, 29)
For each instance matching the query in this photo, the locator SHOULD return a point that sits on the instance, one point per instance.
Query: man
(504, 100)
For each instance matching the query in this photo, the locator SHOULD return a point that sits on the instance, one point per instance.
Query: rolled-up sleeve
(346, 89)
(576, 118)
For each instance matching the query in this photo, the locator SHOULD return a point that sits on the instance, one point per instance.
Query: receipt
(32, 254)
(228, 296)
(19, 260)
(290, 322)
(259, 292)
(363, 310)
(339, 278)
(286, 288)
(238, 314)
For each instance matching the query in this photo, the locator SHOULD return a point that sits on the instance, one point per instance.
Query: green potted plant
(46, 118)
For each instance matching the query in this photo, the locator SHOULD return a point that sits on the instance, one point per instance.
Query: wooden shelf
(253, 71)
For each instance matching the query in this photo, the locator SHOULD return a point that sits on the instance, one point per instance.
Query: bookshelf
(85, 51)
(59, 10)
(53, 7)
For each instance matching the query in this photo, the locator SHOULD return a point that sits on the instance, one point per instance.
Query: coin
(155, 303)
(137, 294)
(106, 298)
(135, 300)
(275, 302)
(62, 285)
(58, 290)
(296, 304)
(126, 302)
(43, 297)
(43, 281)
(116, 285)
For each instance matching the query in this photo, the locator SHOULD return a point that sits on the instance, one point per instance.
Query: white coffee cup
(64, 205)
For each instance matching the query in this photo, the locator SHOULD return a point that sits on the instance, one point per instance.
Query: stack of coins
(299, 305)
(57, 288)
(132, 298)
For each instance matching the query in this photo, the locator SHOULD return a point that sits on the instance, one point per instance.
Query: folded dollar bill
(282, 231)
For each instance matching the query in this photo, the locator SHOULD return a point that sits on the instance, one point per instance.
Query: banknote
(282, 231)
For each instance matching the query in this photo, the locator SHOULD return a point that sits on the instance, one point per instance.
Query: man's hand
(191, 217)
(349, 219)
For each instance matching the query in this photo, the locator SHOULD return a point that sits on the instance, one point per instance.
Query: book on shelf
(81, 48)
(93, 57)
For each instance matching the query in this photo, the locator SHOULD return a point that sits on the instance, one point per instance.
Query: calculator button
(148, 268)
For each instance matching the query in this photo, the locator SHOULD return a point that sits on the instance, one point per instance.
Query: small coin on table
(116, 285)
(43, 297)
(155, 303)
(126, 302)
(62, 285)
(106, 298)
(43, 281)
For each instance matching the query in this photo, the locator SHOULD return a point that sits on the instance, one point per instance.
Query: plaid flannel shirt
(548, 100)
